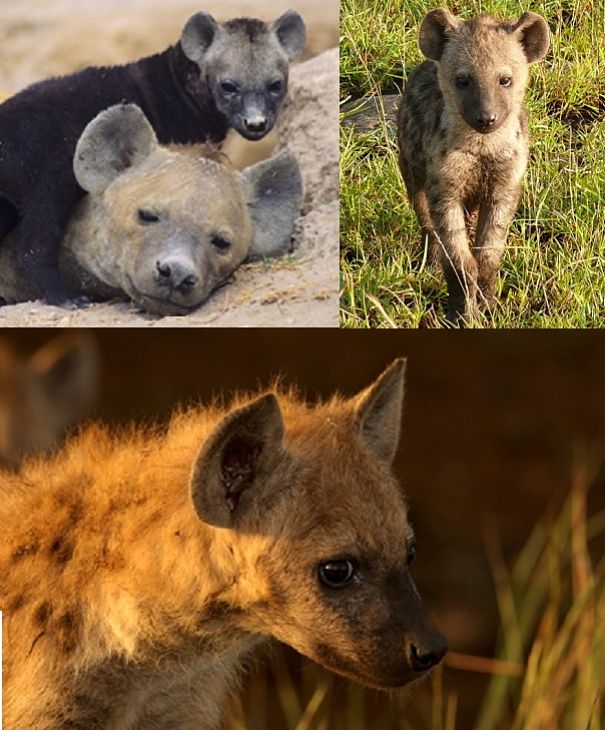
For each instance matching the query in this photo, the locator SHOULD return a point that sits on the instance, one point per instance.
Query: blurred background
(501, 457)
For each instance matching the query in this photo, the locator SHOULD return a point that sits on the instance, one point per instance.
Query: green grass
(553, 271)
(547, 673)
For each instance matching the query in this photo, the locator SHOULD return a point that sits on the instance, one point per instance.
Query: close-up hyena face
(483, 63)
(179, 226)
(330, 576)
(350, 602)
(245, 63)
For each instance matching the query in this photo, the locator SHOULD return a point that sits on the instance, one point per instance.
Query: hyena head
(177, 222)
(320, 531)
(483, 64)
(245, 63)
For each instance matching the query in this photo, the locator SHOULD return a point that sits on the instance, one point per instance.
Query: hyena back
(139, 570)
(463, 140)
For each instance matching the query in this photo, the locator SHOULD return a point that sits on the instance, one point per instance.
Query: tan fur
(124, 609)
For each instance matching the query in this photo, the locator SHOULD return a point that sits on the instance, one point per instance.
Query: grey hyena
(463, 140)
(139, 569)
(162, 226)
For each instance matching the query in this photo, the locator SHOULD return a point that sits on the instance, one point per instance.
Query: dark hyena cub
(463, 140)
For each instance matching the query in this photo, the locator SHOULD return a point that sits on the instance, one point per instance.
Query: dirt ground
(41, 38)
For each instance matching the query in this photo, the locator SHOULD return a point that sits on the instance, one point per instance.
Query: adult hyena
(138, 570)
(463, 140)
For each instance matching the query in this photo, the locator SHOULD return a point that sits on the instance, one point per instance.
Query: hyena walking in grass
(463, 140)
(139, 570)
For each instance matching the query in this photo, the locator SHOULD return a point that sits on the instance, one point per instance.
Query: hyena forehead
(483, 47)
(344, 501)
(182, 183)
(248, 52)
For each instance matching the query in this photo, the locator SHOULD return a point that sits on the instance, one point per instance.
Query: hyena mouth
(162, 306)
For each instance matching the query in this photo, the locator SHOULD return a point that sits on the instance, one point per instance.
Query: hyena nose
(425, 655)
(486, 120)
(176, 273)
(256, 124)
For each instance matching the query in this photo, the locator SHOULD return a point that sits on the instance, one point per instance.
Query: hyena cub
(139, 570)
(463, 140)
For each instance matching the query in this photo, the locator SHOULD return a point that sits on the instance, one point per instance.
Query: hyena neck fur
(86, 256)
(179, 86)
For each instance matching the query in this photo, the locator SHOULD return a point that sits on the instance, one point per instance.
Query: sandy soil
(39, 38)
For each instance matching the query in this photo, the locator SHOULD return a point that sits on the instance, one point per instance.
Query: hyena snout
(177, 272)
(425, 648)
(485, 120)
(256, 122)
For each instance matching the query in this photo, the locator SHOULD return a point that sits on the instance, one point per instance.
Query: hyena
(163, 226)
(43, 395)
(216, 77)
(139, 570)
(463, 140)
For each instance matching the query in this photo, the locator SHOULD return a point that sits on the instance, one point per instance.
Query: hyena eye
(228, 87)
(462, 81)
(146, 216)
(221, 243)
(506, 81)
(411, 554)
(276, 87)
(337, 573)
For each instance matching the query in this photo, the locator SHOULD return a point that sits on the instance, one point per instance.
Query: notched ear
(378, 412)
(273, 190)
(115, 140)
(229, 477)
(197, 36)
(291, 33)
(434, 31)
(534, 35)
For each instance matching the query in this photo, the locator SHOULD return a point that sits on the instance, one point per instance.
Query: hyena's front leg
(459, 265)
(421, 208)
(495, 217)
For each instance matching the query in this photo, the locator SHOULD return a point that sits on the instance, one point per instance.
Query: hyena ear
(116, 139)
(534, 36)
(235, 462)
(197, 36)
(434, 31)
(378, 412)
(273, 191)
(291, 33)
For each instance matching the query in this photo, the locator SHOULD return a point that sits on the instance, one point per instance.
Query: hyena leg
(418, 199)
(457, 260)
(421, 208)
(9, 217)
(495, 216)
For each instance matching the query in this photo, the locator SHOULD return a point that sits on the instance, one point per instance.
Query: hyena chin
(463, 141)
(139, 570)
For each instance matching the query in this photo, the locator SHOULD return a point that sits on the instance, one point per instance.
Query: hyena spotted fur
(139, 570)
(463, 140)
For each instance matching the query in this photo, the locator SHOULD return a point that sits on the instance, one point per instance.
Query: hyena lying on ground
(162, 226)
(216, 77)
(139, 570)
(463, 140)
